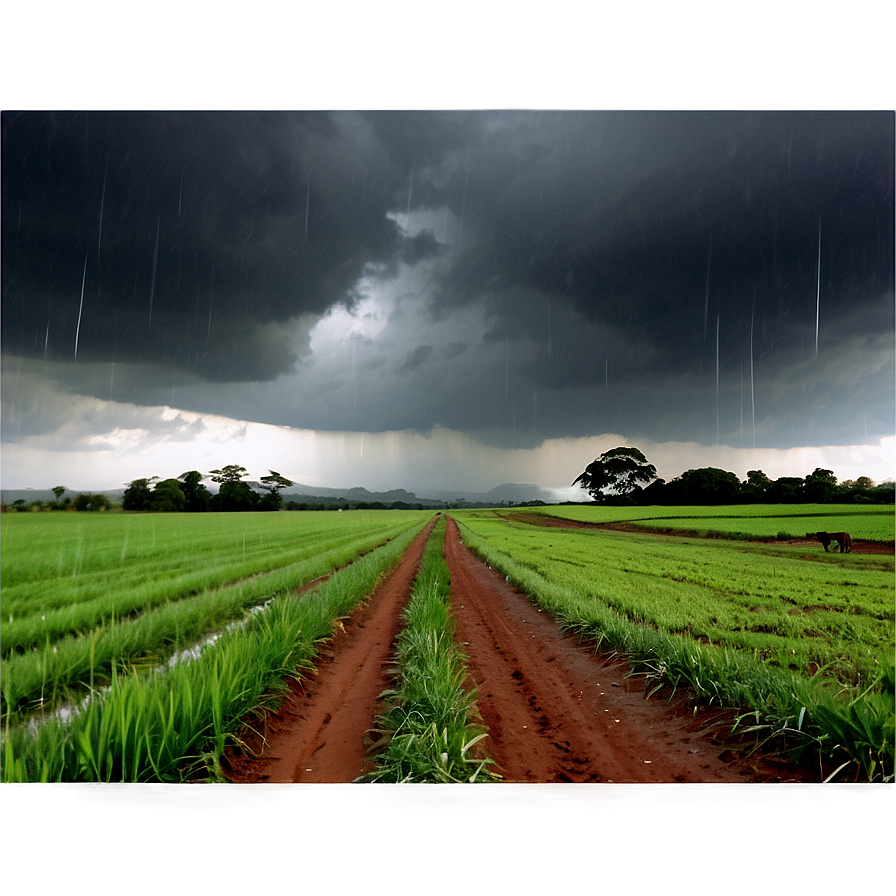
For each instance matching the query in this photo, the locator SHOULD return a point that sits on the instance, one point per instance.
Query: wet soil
(556, 711)
(318, 734)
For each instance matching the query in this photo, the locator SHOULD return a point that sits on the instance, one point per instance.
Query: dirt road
(555, 711)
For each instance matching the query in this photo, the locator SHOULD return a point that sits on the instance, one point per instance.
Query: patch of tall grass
(175, 726)
(429, 727)
(804, 712)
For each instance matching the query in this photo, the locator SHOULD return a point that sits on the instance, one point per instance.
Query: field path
(318, 733)
(556, 711)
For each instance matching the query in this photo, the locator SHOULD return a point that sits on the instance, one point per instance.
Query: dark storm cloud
(653, 224)
(195, 228)
(606, 251)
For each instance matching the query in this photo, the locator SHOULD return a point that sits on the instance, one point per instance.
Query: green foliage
(197, 497)
(167, 497)
(137, 496)
(619, 470)
(84, 594)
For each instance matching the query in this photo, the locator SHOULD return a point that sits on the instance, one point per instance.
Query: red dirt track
(555, 711)
(318, 733)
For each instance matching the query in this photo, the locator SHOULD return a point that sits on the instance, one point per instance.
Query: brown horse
(842, 538)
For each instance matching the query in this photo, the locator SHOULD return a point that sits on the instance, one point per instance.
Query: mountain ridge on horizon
(508, 491)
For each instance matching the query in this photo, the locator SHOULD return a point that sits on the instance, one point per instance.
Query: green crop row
(779, 521)
(805, 645)
(98, 602)
(175, 726)
(52, 549)
(61, 654)
(428, 728)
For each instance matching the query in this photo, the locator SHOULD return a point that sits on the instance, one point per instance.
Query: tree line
(624, 476)
(188, 494)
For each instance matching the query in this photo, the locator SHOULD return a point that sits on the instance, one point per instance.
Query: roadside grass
(804, 650)
(175, 726)
(429, 728)
(783, 522)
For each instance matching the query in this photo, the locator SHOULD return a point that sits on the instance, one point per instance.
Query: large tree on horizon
(620, 471)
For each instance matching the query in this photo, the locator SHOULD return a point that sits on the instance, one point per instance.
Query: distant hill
(29, 495)
(299, 492)
(509, 492)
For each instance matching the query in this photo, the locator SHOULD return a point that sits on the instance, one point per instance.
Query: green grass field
(92, 604)
(175, 726)
(86, 593)
(778, 521)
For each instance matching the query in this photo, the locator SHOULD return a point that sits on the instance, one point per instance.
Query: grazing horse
(842, 538)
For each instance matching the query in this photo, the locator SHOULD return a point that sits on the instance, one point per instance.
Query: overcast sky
(445, 299)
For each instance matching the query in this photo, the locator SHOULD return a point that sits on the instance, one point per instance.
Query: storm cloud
(707, 277)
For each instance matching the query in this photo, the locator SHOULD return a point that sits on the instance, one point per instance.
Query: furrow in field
(555, 711)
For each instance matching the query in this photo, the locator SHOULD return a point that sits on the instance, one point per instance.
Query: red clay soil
(555, 710)
(318, 733)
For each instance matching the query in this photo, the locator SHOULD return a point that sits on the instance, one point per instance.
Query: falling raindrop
(80, 307)
(102, 206)
(717, 379)
(211, 300)
(818, 287)
(752, 393)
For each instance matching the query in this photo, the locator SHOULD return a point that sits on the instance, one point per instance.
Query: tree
(756, 488)
(196, 495)
(273, 500)
(59, 491)
(89, 501)
(620, 470)
(137, 496)
(230, 473)
(234, 494)
(820, 486)
(167, 497)
(785, 490)
(710, 485)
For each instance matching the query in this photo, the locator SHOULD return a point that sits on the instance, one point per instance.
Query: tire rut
(556, 711)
